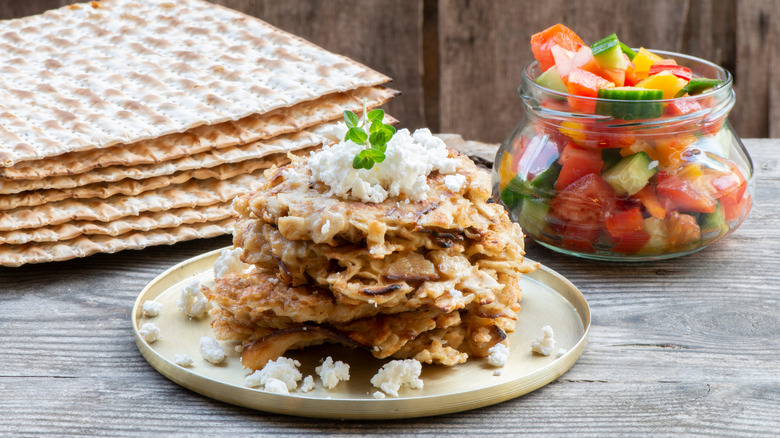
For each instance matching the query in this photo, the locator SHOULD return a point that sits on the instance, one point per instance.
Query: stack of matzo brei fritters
(130, 123)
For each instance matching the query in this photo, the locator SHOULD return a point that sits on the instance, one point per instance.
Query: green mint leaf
(362, 162)
(376, 115)
(377, 156)
(351, 119)
(357, 135)
(379, 138)
(375, 126)
(373, 154)
(390, 129)
(381, 147)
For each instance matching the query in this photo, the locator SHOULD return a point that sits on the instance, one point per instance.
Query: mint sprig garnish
(375, 137)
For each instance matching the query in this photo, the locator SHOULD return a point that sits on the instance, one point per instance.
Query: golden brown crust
(436, 280)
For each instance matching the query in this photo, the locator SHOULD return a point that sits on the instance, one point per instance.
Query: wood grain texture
(681, 347)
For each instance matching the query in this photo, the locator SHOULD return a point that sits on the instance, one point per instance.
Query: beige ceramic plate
(548, 299)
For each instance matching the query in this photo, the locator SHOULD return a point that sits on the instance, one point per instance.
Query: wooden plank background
(458, 62)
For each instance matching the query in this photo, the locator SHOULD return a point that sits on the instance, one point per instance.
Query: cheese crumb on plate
(332, 373)
(211, 350)
(192, 301)
(498, 355)
(544, 344)
(151, 308)
(282, 369)
(398, 373)
(150, 332)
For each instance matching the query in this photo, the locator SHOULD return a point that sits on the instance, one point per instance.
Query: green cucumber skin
(604, 44)
(630, 103)
(713, 225)
(628, 51)
(533, 215)
(630, 174)
(699, 85)
(608, 54)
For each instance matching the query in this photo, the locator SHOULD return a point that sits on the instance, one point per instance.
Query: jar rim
(723, 94)
(724, 74)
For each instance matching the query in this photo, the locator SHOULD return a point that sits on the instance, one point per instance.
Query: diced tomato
(650, 201)
(677, 70)
(619, 224)
(580, 238)
(542, 42)
(577, 162)
(631, 78)
(584, 202)
(730, 189)
(586, 84)
(681, 194)
(631, 243)
(734, 209)
(615, 75)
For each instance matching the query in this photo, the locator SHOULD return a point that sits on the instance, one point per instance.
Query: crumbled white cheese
(379, 395)
(192, 302)
(276, 386)
(409, 159)
(151, 308)
(498, 355)
(332, 373)
(326, 227)
(211, 350)
(183, 360)
(229, 260)
(497, 373)
(150, 332)
(238, 348)
(397, 373)
(560, 352)
(283, 369)
(454, 182)
(308, 384)
(544, 344)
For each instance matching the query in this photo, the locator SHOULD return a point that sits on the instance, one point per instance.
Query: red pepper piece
(677, 70)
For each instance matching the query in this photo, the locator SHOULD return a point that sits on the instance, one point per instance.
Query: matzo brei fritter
(426, 269)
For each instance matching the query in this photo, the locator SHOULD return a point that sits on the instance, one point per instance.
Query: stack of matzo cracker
(130, 123)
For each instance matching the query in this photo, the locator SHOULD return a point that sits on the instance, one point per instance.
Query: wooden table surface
(678, 347)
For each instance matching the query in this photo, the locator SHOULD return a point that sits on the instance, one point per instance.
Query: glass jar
(631, 188)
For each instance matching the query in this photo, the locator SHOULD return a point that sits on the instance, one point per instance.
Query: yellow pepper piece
(574, 130)
(664, 81)
(642, 62)
(504, 170)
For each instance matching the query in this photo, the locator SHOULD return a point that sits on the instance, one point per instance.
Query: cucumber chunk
(633, 108)
(713, 225)
(631, 173)
(628, 51)
(699, 85)
(541, 186)
(533, 215)
(610, 157)
(552, 79)
(608, 54)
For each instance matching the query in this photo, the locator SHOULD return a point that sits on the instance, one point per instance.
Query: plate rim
(354, 409)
